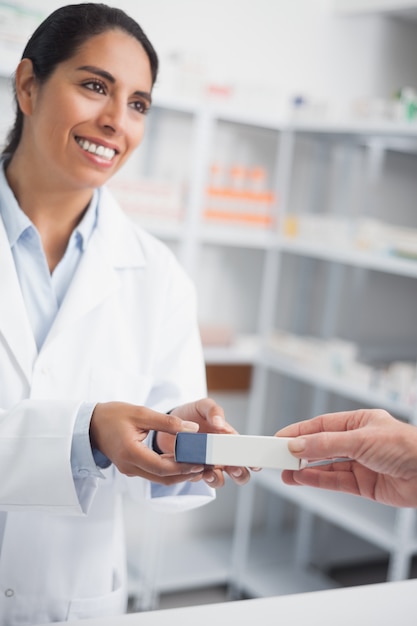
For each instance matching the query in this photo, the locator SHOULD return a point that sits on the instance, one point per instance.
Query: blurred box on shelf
(396, 380)
(239, 195)
(381, 237)
(304, 108)
(397, 108)
(150, 198)
(364, 234)
(323, 228)
(337, 356)
(216, 335)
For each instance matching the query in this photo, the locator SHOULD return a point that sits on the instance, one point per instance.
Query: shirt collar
(16, 222)
(88, 223)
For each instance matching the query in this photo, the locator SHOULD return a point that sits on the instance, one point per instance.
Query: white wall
(279, 47)
(293, 45)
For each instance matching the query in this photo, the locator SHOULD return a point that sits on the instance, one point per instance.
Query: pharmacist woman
(98, 334)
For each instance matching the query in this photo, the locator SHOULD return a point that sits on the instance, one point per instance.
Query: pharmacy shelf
(237, 236)
(190, 565)
(339, 384)
(272, 569)
(231, 235)
(385, 528)
(277, 579)
(200, 564)
(213, 110)
(163, 228)
(194, 565)
(383, 129)
(364, 129)
(268, 239)
(398, 8)
(350, 256)
(370, 520)
(243, 351)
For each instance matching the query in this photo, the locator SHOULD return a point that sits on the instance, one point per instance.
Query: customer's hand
(210, 418)
(380, 452)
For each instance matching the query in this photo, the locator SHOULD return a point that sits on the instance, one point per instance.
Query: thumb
(173, 424)
(297, 445)
(325, 445)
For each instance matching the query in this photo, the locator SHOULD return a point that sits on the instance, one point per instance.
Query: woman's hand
(209, 417)
(118, 430)
(380, 452)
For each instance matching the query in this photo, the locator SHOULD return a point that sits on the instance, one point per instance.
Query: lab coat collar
(123, 246)
(114, 245)
(14, 321)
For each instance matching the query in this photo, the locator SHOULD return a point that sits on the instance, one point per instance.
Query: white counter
(385, 604)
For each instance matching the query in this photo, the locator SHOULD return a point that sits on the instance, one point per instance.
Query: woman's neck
(55, 212)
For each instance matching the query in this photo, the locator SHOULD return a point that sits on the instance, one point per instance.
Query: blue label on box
(191, 448)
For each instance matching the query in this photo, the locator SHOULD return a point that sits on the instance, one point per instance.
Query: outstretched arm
(380, 452)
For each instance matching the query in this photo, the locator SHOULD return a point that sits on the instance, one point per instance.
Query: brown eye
(96, 86)
(140, 107)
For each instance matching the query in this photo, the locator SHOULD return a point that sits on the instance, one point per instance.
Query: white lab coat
(126, 331)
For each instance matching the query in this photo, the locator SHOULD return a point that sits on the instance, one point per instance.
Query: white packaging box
(235, 450)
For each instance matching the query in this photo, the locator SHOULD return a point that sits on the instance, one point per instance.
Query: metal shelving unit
(282, 565)
(401, 8)
(334, 383)
(198, 563)
(391, 530)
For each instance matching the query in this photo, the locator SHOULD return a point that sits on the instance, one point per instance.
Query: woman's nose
(113, 117)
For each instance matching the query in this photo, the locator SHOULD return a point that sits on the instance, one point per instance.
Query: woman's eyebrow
(96, 70)
(107, 76)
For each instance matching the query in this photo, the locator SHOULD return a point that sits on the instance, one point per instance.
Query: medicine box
(235, 450)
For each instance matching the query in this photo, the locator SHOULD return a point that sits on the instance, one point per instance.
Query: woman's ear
(26, 83)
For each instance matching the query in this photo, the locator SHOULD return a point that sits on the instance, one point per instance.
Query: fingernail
(197, 469)
(297, 444)
(210, 478)
(218, 421)
(190, 427)
(237, 473)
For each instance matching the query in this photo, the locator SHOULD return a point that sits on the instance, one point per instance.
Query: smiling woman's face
(83, 123)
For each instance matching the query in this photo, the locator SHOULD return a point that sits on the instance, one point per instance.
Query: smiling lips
(93, 148)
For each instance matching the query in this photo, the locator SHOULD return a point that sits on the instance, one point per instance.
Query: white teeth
(107, 153)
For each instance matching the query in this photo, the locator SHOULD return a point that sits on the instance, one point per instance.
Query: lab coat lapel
(112, 247)
(94, 280)
(14, 321)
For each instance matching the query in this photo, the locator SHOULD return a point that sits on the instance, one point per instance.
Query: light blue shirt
(43, 294)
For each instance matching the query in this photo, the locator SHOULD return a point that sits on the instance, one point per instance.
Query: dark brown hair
(60, 36)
